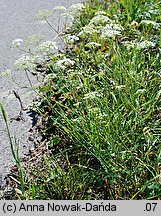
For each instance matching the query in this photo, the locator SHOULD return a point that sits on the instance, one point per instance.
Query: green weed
(15, 154)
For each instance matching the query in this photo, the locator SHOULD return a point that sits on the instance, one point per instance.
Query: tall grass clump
(15, 154)
(100, 104)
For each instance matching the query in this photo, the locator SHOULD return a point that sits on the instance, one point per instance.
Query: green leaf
(55, 140)
(3, 113)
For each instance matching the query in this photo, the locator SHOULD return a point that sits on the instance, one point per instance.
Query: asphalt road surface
(17, 21)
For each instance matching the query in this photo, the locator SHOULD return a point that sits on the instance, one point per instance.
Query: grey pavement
(17, 21)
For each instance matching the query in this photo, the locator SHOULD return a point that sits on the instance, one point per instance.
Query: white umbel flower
(93, 45)
(100, 13)
(150, 22)
(24, 62)
(63, 64)
(144, 44)
(43, 14)
(111, 30)
(70, 39)
(100, 20)
(5, 73)
(67, 16)
(87, 31)
(60, 8)
(74, 8)
(16, 43)
(73, 11)
(139, 45)
(47, 47)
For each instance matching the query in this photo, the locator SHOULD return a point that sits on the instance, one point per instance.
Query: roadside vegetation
(99, 103)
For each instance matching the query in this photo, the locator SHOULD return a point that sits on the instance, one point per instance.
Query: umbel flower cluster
(69, 13)
(100, 28)
(101, 25)
(138, 45)
(44, 50)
